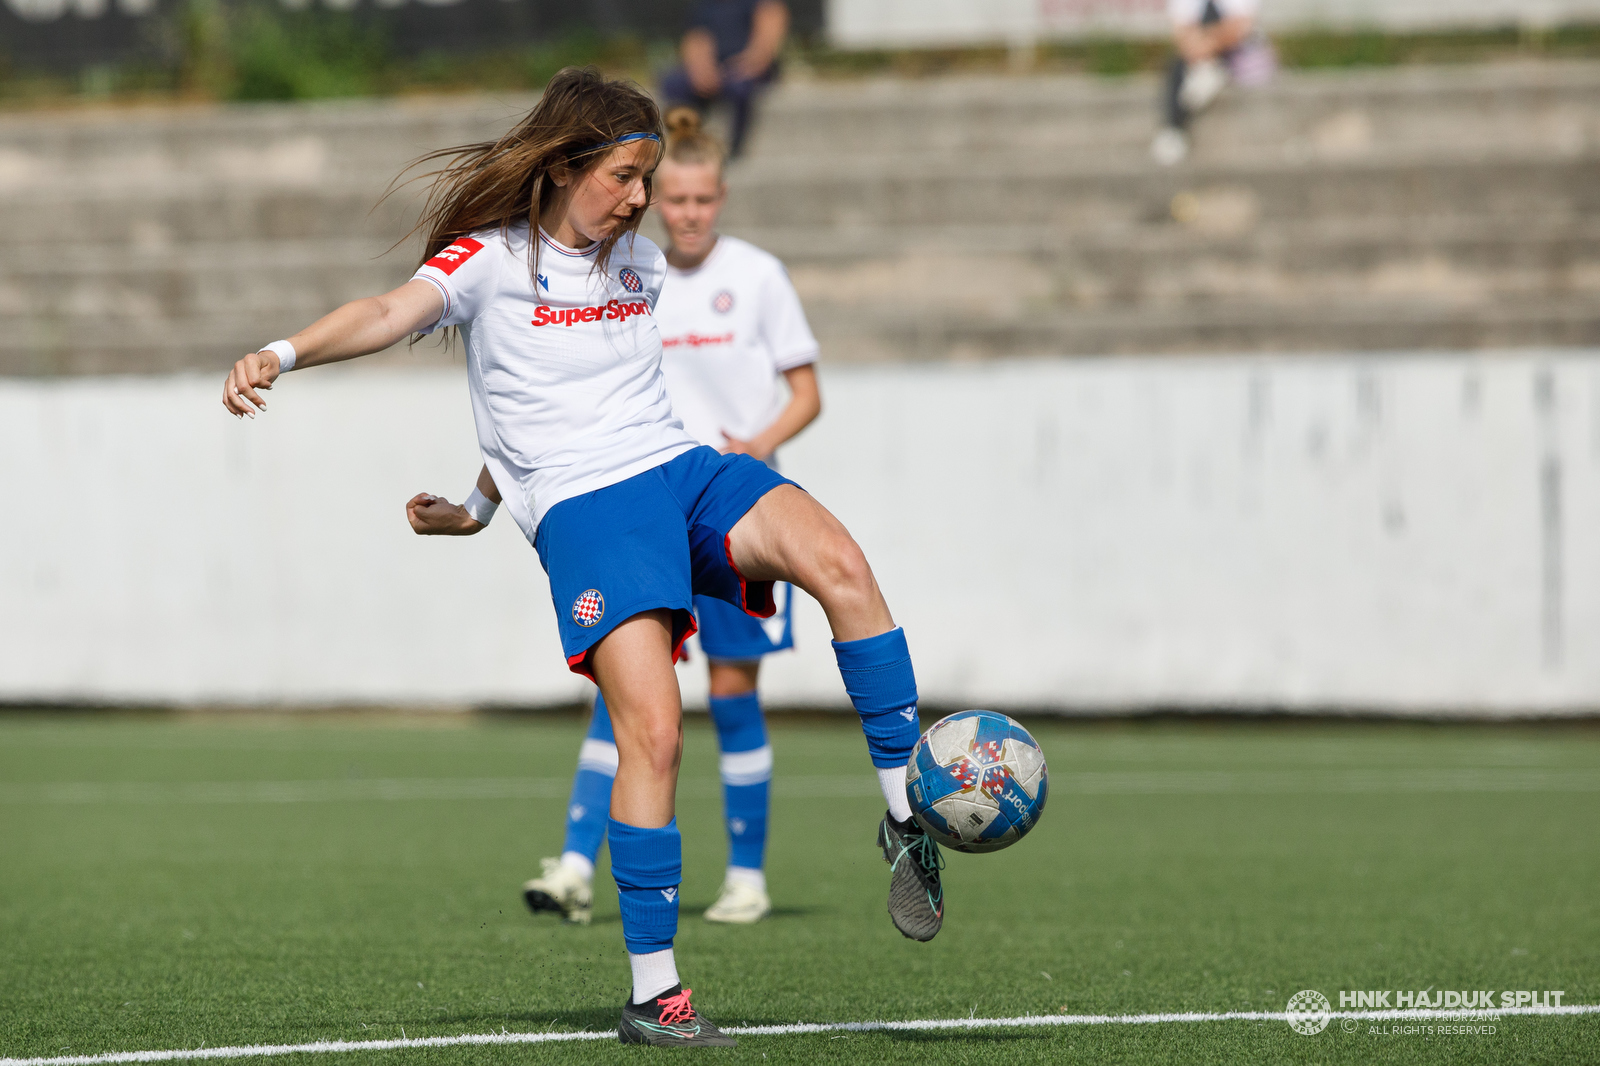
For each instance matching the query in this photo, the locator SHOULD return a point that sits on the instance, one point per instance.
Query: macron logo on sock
(909, 714)
(669, 894)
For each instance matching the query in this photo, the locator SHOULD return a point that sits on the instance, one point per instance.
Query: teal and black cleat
(669, 1021)
(916, 897)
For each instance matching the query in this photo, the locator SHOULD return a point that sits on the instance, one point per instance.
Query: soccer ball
(977, 781)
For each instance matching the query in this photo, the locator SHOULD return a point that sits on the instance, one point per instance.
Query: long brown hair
(574, 126)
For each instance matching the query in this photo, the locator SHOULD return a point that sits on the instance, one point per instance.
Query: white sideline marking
(1101, 783)
(799, 1028)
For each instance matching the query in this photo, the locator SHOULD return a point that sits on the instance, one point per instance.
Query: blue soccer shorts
(656, 540)
(730, 635)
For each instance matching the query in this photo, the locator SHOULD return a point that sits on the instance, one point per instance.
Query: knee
(841, 567)
(730, 679)
(653, 742)
(664, 747)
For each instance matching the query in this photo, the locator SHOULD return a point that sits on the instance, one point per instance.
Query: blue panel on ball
(940, 782)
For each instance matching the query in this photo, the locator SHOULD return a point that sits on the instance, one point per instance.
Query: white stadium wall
(956, 23)
(1416, 533)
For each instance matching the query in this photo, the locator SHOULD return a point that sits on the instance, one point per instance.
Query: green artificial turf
(1179, 867)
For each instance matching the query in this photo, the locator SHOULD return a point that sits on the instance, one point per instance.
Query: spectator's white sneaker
(1201, 85)
(1170, 147)
(560, 889)
(740, 904)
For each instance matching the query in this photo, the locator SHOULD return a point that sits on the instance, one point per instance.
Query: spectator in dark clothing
(730, 53)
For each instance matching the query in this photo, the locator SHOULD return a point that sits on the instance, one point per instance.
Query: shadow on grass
(967, 1036)
(690, 911)
(697, 911)
(597, 1019)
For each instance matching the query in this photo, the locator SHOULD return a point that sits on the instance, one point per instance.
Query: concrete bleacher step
(1221, 326)
(1503, 109)
(923, 219)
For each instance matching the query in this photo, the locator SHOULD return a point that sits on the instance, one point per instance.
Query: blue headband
(624, 139)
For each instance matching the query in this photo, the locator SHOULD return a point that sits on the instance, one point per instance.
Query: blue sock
(647, 865)
(877, 675)
(746, 775)
(590, 805)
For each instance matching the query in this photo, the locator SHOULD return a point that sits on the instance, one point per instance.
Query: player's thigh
(789, 536)
(633, 666)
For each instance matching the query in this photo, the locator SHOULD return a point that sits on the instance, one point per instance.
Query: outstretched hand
(258, 370)
(435, 516)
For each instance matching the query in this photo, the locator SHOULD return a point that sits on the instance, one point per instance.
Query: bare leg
(788, 536)
(734, 678)
(633, 664)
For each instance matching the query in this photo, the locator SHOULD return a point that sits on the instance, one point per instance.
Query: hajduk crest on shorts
(589, 608)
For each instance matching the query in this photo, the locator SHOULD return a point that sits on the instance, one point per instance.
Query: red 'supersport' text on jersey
(571, 316)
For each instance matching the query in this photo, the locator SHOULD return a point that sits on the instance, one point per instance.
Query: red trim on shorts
(679, 652)
(579, 663)
(768, 604)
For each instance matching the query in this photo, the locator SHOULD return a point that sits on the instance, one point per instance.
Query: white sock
(580, 863)
(653, 974)
(893, 783)
(744, 875)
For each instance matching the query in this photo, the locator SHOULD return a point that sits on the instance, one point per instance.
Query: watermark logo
(1309, 1012)
(1426, 1013)
(1469, 1000)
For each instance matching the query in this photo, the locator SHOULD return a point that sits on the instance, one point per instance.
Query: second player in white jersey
(731, 326)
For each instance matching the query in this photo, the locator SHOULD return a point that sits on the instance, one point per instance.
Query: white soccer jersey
(729, 328)
(566, 381)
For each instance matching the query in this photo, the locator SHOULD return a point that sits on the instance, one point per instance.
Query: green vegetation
(158, 891)
(260, 51)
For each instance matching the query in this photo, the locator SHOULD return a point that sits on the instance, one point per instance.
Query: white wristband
(285, 353)
(479, 506)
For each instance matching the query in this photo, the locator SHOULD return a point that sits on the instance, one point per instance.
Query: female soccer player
(731, 329)
(533, 253)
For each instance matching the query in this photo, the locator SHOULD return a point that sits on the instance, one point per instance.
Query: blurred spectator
(730, 53)
(1215, 40)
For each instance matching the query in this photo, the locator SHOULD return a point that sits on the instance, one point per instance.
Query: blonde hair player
(732, 330)
(533, 253)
